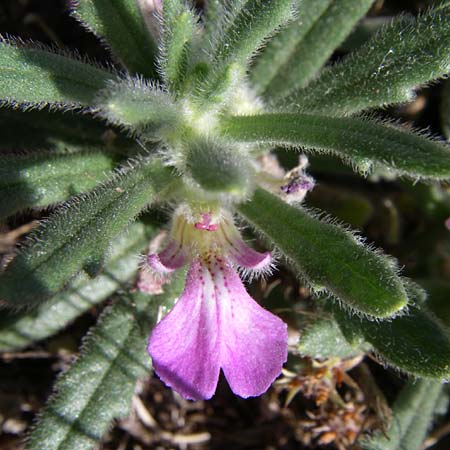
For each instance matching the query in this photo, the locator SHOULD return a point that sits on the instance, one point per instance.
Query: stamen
(205, 223)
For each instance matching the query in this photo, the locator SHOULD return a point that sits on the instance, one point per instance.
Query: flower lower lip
(215, 324)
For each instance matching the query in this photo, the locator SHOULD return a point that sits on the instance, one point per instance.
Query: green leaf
(33, 76)
(20, 330)
(179, 30)
(220, 89)
(322, 338)
(415, 342)
(100, 384)
(121, 24)
(328, 257)
(80, 233)
(364, 31)
(43, 179)
(139, 107)
(247, 29)
(412, 414)
(49, 130)
(327, 30)
(280, 48)
(385, 70)
(214, 13)
(361, 141)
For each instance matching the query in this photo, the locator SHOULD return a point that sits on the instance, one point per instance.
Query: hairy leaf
(43, 179)
(364, 31)
(412, 413)
(322, 338)
(20, 330)
(121, 25)
(100, 384)
(214, 13)
(33, 76)
(138, 106)
(415, 342)
(246, 30)
(78, 234)
(61, 133)
(280, 48)
(179, 30)
(400, 57)
(308, 56)
(327, 256)
(359, 140)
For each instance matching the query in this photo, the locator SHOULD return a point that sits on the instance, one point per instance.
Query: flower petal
(239, 252)
(171, 258)
(244, 256)
(253, 340)
(185, 345)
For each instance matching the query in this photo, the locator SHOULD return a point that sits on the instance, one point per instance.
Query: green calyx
(218, 168)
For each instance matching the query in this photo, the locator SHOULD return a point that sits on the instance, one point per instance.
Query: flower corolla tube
(215, 324)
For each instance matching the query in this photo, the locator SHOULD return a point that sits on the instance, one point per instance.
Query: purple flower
(215, 324)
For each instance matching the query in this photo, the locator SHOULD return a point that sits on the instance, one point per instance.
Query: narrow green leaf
(100, 384)
(364, 31)
(412, 413)
(214, 13)
(322, 338)
(415, 342)
(280, 48)
(361, 141)
(138, 106)
(43, 179)
(20, 330)
(385, 70)
(219, 15)
(328, 257)
(326, 33)
(179, 30)
(417, 431)
(121, 24)
(220, 89)
(247, 29)
(50, 130)
(33, 76)
(78, 233)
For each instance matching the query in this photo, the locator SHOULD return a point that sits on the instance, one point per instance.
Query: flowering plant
(192, 115)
